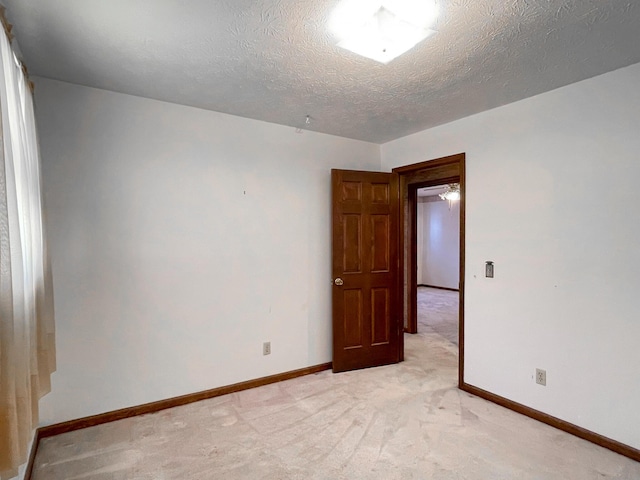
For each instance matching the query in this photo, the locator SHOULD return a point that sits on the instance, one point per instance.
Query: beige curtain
(27, 352)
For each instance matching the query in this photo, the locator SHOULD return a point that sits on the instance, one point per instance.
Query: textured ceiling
(277, 60)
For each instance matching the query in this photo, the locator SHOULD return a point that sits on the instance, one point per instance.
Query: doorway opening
(438, 262)
(432, 173)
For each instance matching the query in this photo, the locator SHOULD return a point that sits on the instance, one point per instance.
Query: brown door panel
(366, 314)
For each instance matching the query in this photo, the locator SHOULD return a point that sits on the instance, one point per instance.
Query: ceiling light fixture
(452, 193)
(383, 30)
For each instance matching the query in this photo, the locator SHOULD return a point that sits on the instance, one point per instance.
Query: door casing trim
(450, 169)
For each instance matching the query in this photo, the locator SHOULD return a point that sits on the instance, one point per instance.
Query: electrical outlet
(266, 348)
(541, 377)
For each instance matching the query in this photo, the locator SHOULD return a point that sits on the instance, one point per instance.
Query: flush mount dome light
(383, 30)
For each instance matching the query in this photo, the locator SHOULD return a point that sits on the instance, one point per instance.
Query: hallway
(438, 312)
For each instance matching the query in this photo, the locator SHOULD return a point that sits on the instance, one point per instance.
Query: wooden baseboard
(32, 454)
(51, 430)
(58, 428)
(439, 288)
(583, 433)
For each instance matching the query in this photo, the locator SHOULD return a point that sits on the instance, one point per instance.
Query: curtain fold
(27, 343)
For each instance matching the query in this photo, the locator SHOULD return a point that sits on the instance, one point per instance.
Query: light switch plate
(488, 269)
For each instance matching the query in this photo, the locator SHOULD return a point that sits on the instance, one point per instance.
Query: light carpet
(438, 312)
(405, 421)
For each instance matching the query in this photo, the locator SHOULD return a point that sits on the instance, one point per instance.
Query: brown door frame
(449, 169)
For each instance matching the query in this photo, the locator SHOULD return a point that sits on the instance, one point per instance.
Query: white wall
(181, 239)
(552, 191)
(438, 249)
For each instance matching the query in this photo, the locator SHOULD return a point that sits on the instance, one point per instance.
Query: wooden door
(367, 320)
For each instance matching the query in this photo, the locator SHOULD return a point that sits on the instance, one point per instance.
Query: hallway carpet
(438, 312)
(405, 421)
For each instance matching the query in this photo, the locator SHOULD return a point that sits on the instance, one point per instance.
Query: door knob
(338, 281)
